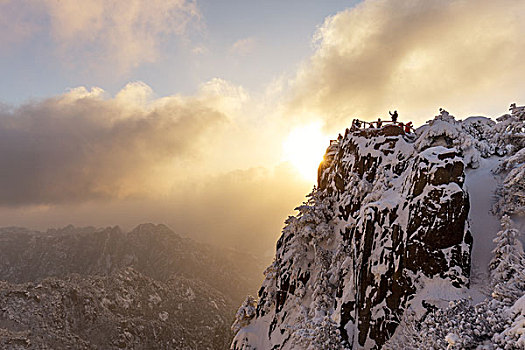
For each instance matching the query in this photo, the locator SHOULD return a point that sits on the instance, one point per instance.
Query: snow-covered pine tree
(508, 133)
(245, 313)
(507, 264)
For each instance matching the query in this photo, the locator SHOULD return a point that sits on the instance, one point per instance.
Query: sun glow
(304, 149)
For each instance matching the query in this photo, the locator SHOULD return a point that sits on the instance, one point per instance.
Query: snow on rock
(481, 185)
(245, 313)
(163, 315)
(385, 239)
(387, 215)
(452, 339)
(467, 136)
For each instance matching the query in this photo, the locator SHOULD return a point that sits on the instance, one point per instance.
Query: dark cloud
(81, 146)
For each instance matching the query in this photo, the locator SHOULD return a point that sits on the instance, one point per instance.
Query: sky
(212, 116)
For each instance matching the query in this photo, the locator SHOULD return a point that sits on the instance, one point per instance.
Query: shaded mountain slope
(86, 288)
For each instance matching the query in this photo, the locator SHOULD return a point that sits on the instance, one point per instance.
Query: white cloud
(200, 50)
(97, 34)
(18, 21)
(244, 46)
(414, 56)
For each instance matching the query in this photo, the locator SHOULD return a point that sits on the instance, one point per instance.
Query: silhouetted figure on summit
(394, 116)
(379, 122)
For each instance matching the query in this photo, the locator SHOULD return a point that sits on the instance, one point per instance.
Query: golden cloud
(82, 145)
(92, 34)
(414, 56)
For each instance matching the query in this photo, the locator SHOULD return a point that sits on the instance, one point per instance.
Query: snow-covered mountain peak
(385, 233)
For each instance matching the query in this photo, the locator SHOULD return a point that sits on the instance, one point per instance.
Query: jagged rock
(388, 215)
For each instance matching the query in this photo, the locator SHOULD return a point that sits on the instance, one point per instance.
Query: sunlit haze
(212, 116)
(304, 148)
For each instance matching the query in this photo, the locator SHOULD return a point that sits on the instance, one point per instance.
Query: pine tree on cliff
(245, 313)
(508, 263)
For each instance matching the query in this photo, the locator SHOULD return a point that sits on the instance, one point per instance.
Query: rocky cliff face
(387, 220)
(83, 288)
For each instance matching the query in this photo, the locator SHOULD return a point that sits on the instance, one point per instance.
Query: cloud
(208, 165)
(200, 50)
(83, 145)
(243, 46)
(118, 35)
(414, 56)
(243, 209)
(18, 21)
(86, 145)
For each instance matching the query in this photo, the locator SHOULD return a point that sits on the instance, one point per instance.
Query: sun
(304, 149)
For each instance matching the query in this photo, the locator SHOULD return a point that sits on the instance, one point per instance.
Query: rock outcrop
(387, 219)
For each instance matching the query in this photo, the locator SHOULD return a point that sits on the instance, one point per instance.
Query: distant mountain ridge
(154, 250)
(194, 285)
